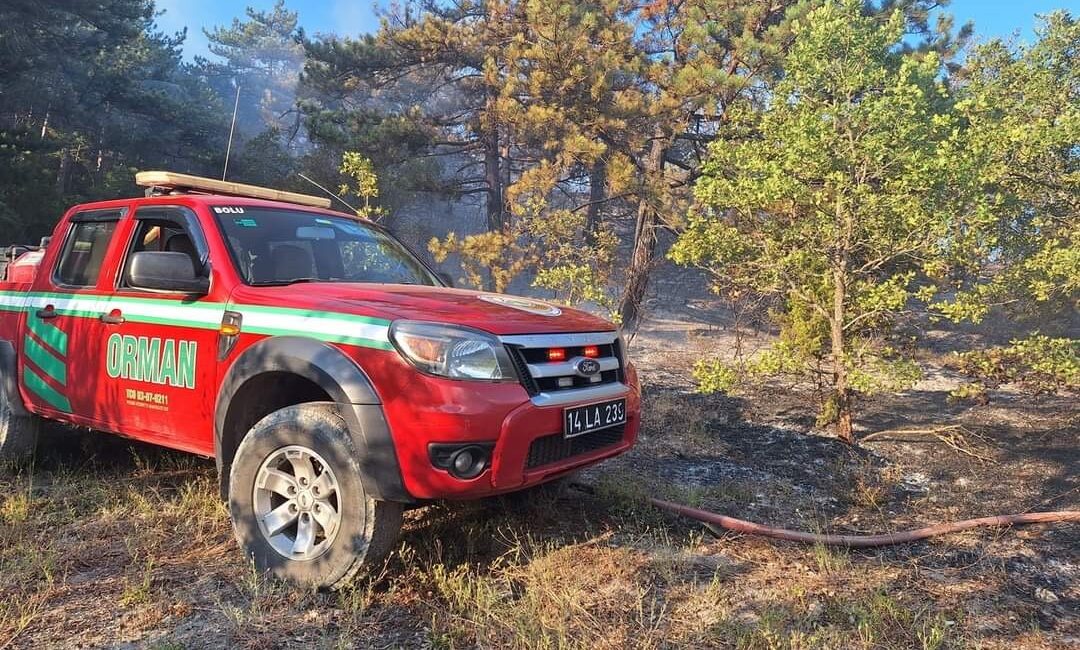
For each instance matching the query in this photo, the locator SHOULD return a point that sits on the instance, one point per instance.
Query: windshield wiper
(283, 283)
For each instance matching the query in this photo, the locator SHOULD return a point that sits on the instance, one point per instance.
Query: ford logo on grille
(587, 367)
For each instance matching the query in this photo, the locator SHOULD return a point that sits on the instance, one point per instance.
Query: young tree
(1024, 112)
(1023, 108)
(849, 198)
(365, 184)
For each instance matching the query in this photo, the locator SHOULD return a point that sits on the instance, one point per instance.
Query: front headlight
(451, 351)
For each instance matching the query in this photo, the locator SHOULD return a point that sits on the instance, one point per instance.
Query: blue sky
(1003, 18)
(345, 17)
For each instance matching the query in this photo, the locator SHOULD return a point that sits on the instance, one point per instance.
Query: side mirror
(165, 271)
(446, 278)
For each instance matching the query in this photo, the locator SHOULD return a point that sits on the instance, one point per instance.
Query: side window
(83, 253)
(166, 229)
(154, 235)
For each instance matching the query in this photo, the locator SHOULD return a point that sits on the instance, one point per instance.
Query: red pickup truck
(334, 377)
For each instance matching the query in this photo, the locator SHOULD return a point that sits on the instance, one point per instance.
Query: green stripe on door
(50, 335)
(45, 360)
(109, 302)
(201, 315)
(36, 385)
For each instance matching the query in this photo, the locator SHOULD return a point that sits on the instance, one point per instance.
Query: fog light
(468, 462)
(463, 461)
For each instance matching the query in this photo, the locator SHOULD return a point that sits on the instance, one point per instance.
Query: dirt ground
(107, 543)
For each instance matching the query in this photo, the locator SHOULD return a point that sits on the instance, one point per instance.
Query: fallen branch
(892, 432)
(951, 436)
(864, 541)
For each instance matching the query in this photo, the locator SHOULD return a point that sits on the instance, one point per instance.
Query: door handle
(47, 313)
(113, 317)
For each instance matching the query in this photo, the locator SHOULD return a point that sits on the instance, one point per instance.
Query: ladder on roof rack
(173, 182)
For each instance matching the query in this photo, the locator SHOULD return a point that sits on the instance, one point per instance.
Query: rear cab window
(85, 247)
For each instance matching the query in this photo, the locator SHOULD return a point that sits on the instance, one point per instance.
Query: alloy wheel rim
(297, 503)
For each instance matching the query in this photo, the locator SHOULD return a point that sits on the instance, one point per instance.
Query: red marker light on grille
(591, 351)
(556, 354)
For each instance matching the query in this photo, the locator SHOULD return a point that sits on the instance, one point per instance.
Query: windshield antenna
(301, 175)
(232, 129)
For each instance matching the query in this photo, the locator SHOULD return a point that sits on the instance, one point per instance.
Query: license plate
(578, 420)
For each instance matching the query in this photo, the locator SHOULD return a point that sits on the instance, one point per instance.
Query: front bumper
(527, 437)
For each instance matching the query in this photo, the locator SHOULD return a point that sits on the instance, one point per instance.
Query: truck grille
(543, 377)
(554, 448)
(522, 368)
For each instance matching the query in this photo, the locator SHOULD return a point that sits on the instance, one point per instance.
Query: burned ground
(110, 543)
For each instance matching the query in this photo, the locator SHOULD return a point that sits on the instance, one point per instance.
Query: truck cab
(335, 378)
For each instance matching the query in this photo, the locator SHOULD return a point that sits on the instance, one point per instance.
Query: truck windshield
(274, 246)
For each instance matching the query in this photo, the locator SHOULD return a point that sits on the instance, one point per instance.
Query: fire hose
(864, 541)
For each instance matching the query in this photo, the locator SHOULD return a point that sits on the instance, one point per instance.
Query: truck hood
(495, 313)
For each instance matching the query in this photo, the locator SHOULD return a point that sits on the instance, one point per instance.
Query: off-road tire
(368, 529)
(18, 433)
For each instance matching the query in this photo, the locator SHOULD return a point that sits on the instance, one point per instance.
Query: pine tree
(263, 56)
(90, 92)
(853, 195)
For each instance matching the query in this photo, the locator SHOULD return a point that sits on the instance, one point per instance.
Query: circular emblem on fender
(537, 307)
(587, 367)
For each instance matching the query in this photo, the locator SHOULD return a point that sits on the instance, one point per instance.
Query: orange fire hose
(864, 541)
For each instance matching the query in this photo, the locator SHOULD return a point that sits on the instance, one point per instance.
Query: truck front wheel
(18, 433)
(298, 505)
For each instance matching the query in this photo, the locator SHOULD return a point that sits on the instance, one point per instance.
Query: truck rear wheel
(18, 433)
(298, 505)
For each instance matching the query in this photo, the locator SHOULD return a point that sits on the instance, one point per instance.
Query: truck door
(160, 350)
(61, 346)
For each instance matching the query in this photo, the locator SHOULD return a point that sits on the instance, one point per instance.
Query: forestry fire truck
(335, 378)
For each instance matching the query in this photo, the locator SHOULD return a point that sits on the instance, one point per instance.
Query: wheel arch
(283, 371)
(9, 378)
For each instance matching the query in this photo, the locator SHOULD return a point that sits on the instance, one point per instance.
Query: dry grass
(139, 550)
(106, 544)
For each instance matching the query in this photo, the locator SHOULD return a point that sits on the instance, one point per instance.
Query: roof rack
(171, 182)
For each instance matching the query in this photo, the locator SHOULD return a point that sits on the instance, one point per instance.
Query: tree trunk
(495, 208)
(637, 276)
(506, 169)
(496, 218)
(597, 193)
(644, 252)
(63, 174)
(842, 392)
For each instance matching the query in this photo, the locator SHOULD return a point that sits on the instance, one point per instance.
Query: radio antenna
(328, 192)
(232, 129)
